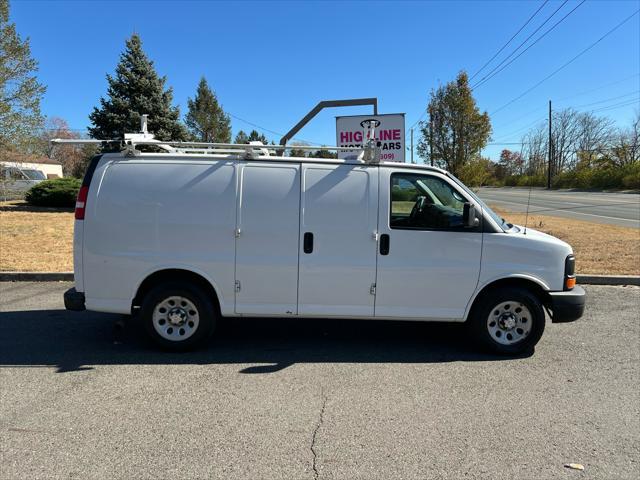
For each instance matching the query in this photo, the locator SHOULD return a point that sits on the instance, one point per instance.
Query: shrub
(605, 177)
(511, 181)
(631, 176)
(531, 180)
(57, 192)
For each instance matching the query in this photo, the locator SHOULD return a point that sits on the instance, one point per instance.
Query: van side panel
(144, 216)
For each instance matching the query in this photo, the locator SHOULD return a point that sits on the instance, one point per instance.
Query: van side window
(424, 202)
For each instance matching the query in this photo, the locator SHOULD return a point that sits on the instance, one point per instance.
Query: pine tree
(136, 89)
(324, 154)
(297, 152)
(254, 136)
(241, 137)
(206, 120)
(20, 92)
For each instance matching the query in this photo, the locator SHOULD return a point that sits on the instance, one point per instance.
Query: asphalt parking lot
(82, 398)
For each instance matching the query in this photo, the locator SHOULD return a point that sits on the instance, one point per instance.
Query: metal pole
(412, 145)
(550, 161)
(327, 104)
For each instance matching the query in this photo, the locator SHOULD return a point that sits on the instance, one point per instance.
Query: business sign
(353, 131)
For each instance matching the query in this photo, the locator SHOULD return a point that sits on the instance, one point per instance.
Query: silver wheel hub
(175, 318)
(509, 322)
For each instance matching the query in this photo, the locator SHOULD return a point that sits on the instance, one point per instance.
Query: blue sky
(271, 62)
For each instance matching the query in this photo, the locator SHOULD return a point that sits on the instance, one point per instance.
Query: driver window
(424, 202)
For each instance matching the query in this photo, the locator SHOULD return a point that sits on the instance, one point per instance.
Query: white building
(50, 168)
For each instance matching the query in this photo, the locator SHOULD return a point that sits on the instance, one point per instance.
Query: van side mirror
(469, 218)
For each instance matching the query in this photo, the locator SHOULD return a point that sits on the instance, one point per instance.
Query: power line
(509, 41)
(482, 82)
(605, 107)
(567, 63)
(607, 99)
(270, 131)
(635, 101)
(526, 127)
(417, 121)
(521, 44)
(600, 87)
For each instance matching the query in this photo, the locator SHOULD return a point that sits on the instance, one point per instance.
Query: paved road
(609, 208)
(315, 399)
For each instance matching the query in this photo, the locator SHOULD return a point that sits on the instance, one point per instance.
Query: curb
(68, 277)
(608, 279)
(36, 276)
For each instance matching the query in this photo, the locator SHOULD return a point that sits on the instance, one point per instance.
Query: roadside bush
(511, 181)
(57, 192)
(568, 180)
(531, 181)
(631, 176)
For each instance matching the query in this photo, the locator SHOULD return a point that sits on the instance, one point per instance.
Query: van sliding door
(337, 244)
(268, 216)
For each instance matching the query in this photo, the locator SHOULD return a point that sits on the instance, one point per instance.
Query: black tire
(194, 296)
(493, 340)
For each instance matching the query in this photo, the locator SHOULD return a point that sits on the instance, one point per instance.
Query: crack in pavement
(314, 465)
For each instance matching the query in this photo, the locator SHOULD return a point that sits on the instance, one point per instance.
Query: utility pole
(412, 145)
(431, 139)
(550, 152)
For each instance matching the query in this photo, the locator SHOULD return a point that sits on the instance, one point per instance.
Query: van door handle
(307, 244)
(384, 244)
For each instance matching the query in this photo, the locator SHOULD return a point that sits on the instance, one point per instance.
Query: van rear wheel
(508, 321)
(178, 316)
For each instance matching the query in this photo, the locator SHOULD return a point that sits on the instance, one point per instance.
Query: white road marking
(547, 210)
(549, 196)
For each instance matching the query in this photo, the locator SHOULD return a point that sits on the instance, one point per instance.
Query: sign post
(352, 131)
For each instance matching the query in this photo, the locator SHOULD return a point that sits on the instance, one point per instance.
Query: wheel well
(529, 285)
(174, 275)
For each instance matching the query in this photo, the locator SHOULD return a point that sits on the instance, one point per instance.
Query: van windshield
(497, 218)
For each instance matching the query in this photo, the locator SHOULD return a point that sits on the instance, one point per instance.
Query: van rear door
(337, 243)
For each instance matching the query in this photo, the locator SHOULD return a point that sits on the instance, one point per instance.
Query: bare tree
(534, 150)
(565, 134)
(72, 157)
(594, 136)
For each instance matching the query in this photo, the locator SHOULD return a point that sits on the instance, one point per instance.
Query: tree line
(586, 150)
(133, 89)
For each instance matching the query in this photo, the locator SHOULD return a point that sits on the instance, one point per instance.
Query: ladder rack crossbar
(245, 146)
(196, 145)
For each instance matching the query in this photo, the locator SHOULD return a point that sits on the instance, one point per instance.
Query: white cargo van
(196, 232)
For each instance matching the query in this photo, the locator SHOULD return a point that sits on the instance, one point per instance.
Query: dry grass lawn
(33, 239)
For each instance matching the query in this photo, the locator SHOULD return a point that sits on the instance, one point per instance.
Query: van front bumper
(74, 300)
(567, 306)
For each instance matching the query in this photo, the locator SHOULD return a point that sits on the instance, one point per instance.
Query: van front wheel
(509, 321)
(177, 316)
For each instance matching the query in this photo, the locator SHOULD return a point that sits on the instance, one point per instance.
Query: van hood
(541, 237)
